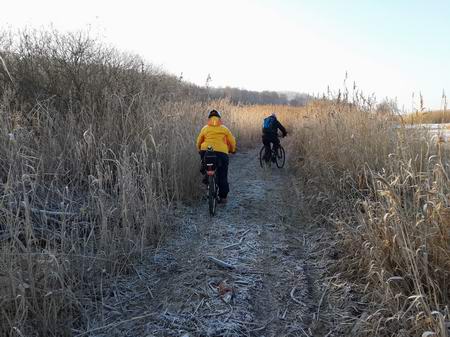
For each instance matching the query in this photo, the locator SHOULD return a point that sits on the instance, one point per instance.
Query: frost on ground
(181, 289)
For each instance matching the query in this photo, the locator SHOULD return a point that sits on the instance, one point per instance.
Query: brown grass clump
(386, 191)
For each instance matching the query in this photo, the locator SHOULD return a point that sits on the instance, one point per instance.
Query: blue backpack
(269, 123)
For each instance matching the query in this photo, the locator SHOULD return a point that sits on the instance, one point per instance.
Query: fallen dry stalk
(114, 325)
(221, 263)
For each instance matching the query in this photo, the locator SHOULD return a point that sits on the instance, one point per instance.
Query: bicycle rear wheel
(212, 195)
(280, 158)
(262, 162)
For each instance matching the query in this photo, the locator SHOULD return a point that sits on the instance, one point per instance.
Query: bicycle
(277, 156)
(210, 159)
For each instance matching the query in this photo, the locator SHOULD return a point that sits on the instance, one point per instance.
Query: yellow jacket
(217, 136)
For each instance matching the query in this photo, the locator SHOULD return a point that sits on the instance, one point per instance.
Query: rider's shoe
(222, 201)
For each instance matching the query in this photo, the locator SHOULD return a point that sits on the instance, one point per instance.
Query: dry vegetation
(386, 193)
(96, 148)
(430, 117)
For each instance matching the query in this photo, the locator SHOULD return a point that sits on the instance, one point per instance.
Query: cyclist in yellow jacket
(220, 138)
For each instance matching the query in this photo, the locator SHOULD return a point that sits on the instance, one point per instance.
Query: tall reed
(96, 147)
(386, 191)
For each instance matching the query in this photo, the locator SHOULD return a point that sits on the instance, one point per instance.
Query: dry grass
(386, 192)
(429, 117)
(96, 148)
(78, 204)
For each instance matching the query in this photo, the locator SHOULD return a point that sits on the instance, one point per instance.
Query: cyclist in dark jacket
(271, 125)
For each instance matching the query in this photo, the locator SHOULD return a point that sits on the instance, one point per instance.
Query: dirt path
(179, 291)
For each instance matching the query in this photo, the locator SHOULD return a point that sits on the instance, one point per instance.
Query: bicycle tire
(262, 162)
(212, 195)
(261, 157)
(280, 158)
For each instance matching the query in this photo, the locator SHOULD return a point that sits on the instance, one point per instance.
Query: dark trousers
(222, 172)
(267, 140)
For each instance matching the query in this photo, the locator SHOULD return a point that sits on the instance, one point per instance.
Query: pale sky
(390, 48)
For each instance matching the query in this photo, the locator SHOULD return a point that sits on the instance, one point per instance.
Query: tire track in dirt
(178, 291)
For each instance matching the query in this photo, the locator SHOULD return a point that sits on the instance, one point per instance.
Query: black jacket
(273, 131)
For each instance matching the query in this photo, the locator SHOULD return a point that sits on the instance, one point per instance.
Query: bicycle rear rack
(210, 160)
(210, 169)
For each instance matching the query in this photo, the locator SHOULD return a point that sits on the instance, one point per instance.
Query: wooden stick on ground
(221, 263)
(234, 244)
(113, 325)
(22, 204)
(293, 298)
(239, 242)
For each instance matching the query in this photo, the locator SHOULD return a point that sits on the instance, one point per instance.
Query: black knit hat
(213, 113)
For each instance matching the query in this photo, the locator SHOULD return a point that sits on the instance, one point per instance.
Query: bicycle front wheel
(212, 195)
(280, 158)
